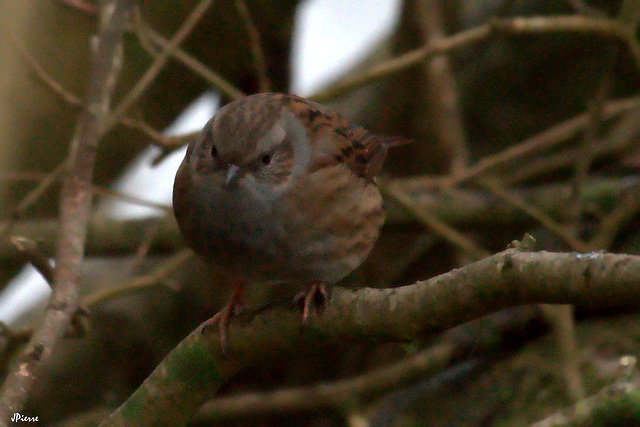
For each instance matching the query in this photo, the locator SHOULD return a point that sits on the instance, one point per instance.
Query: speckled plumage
(278, 188)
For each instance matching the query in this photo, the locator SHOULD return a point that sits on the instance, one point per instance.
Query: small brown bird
(280, 189)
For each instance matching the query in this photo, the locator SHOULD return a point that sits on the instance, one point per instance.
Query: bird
(280, 189)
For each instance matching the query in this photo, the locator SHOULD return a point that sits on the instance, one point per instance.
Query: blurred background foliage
(496, 93)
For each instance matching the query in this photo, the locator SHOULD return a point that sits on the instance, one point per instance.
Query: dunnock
(278, 188)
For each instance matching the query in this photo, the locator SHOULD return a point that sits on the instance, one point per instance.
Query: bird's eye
(214, 152)
(266, 159)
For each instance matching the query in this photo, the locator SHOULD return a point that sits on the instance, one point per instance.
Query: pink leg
(317, 290)
(223, 317)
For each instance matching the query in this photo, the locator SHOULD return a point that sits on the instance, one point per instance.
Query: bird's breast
(320, 228)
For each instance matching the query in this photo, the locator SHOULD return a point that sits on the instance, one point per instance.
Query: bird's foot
(317, 294)
(223, 317)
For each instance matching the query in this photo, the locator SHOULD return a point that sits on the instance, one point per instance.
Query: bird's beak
(233, 174)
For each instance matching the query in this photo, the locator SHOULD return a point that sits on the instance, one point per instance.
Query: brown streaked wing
(338, 141)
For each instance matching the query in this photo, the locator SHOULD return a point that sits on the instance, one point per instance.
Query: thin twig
(158, 63)
(21, 335)
(455, 206)
(37, 68)
(216, 80)
(47, 178)
(73, 100)
(590, 139)
(174, 143)
(444, 98)
(552, 162)
(329, 395)
(629, 17)
(257, 53)
(159, 274)
(616, 219)
(156, 277)
(32, 196)
(21, 176)
(157, 137)
(583, 8)
(404, 61)
(130, 199)
(612, 405)
(543, 141)
(38, 259)
(620, 137)
(544, 219)
(511, 26)
(561, 318)
(74, 211)
(433, 223)
(150, 232)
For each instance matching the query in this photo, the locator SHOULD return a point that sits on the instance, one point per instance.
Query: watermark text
(19, 417)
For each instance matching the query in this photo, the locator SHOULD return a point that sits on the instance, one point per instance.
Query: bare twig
(157, 277)
(21, 335)
(32, 196)
(454, 206)
(545, 140)
(513, 199)
(158, 63)
(175, 142)
(444, 98)
(130, 199)
(157, 137)
(150, 232)
(256, 47)
(74, 210)
(329, 395)
(49, 81)
(589, 141)
(38, 259)
(561, 316)
(620, 137)
(563, 323)
(629, 16)
(433, 223)
(514, 26)
(404, 61)
(216, 80)
(581, 7)
(151, 279)
(73, 100)
(21, 176)
(46, 179)
(614, 220)
(561, 24)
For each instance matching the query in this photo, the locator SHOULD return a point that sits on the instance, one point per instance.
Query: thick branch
(74, 211)
(196, 368)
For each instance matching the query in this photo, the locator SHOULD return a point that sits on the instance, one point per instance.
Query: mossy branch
(196, 368)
